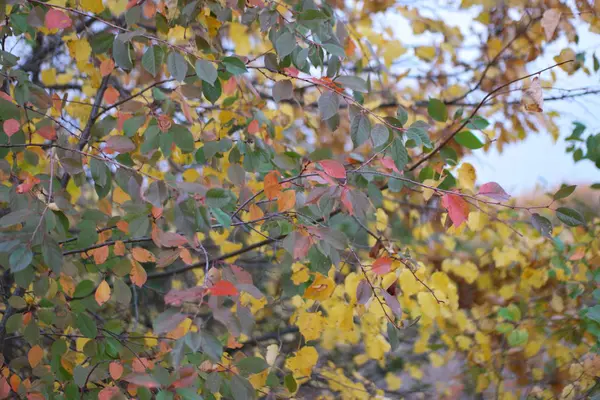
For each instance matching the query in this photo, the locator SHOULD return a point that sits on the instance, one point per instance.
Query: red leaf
(188, 376)
(11, 126)
(253, 127)
(493, 191)
(4, 388)
(346, 198)
(142, 380)
(47, 132)
(291, 71)
(176, 297)
(389, 163)
(108, 393)
(333, 168)
(171, 239)
(382, 265)
(56, 19)
(458, 208)
(223, 288)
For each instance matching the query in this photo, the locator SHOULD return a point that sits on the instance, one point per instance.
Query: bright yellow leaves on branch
(302, 363)
(321, 288)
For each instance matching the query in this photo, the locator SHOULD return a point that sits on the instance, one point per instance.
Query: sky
(537, 162)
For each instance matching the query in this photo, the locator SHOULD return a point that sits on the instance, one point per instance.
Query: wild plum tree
(227, 199)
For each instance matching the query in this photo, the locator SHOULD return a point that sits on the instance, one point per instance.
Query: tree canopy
(229, 199)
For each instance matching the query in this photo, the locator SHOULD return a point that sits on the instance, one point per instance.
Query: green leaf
(399, 154)
(380, 134)
(518, 337)
(402, 115)
(285, 44)
(569, 216)
(122, 54)
(152, 59)
(542, 224)
(437, 110)
(52, 254)
(206, 71)
(14, 217)
(290, 383)
(86, 325)
(20, 258)
(353, 82)
(84, 289)
(328, 103)
(252, 365)
(360, 129)
(563, 192)
(593, 313)
(17, 302)
(177, 65)
(217, 197)
(334, 49)
(419, 135)
(212, 92)
(469, 140)
(234, 65)
(183, 138)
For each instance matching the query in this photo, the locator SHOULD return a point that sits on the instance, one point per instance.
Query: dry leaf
(142, 255)
(533, 97)
(550, 21)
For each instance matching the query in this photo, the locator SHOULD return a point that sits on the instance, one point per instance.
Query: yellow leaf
(302, 363)
(300, 273)
(93, 6)
(142, 255)
(428, 304)
(426, 53)
(467, 176)
(311, 325)
(35, 355)
(102, 293)
(321, 288)
(393, 381)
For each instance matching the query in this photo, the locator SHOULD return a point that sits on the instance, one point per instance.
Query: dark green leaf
(20, 258)
(563, 192)
(402, 115)
(542, 224)
(399, 154)
(152, 60)
(360, 129)
(86, 325)
(234, 65)
(380, 134)
(569, 216)
(285, 44)
(437, 110)
(252, 365)
(353, 82)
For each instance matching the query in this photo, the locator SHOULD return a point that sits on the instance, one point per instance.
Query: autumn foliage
(227, 199)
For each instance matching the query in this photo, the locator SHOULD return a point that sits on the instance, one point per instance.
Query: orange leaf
(272, 185)
(255, 212)
(56, 19)
(107, 66)
(11, 126)
(15, 382)
(382, 265)
(123, 226)
(186, 256)
(253, 127)
(57, 103)
(102, 293)
(578, 254)
(458, 208)
(100, 255)
(223, 288)
(119, 248)
(138, 274)
(27, 184)
(229, 86)
(35, 355)
(47, 132)
(111, 95)
(116, 370)
(286, 200)
(142, 255)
